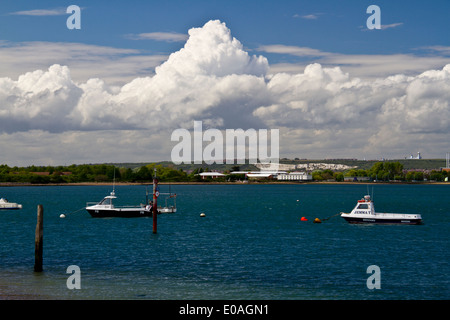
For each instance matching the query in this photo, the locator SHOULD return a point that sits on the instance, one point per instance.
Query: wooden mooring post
(38, 240)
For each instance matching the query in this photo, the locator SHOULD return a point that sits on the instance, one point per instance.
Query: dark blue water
(250, 245)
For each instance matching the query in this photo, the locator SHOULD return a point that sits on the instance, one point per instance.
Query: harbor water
(250, 244)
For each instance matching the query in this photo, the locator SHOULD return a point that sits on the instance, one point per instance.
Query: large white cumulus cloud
(213, 79)
(328, 97)
(212, 51)
(38, 100)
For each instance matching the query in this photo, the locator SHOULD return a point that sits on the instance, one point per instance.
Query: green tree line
(100, 173)
(88, 173)
(380, 171)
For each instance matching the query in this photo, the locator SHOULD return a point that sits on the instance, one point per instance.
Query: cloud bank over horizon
(321, 111)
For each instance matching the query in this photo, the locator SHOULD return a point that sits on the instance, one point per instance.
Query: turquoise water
(250, 245)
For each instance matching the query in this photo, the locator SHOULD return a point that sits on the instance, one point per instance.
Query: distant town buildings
(305, 171)
(212, 175)
(276, 175)
(255, 175)
(447, 163)
(416, 157)
(294, 176)
(308, 167)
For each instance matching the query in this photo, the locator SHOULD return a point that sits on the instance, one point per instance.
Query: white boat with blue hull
(364, 212)
(6, 205)
(106, 209)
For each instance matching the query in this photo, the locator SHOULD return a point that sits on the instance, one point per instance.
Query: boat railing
(135, 206)
(398, 215)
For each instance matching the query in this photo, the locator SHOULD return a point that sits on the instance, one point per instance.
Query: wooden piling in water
(38, 240)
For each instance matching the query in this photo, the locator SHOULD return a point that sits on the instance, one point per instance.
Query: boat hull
(367, 220)
(119, 213)
(167, 210)
(10, 208)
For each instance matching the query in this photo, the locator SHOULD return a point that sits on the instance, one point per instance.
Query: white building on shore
(294, 176)
(260, 174)
(212, 175)
(263, 174)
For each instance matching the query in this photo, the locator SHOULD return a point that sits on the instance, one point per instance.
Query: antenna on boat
(368, 193)
(113, 193)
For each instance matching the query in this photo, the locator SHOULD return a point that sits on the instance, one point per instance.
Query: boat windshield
(106, 201)
(363, 206)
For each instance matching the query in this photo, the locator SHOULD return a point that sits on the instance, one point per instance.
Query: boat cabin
(107, 202)
(364, 206)
(364, 212)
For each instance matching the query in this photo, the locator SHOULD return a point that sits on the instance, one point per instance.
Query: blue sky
(332, 26)
(122, 43)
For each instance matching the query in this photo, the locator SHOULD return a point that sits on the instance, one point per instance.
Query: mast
(113, 193)
(155, 205)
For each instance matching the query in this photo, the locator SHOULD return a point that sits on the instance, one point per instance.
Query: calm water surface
(250, 245)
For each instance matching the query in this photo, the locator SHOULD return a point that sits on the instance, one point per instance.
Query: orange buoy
(303, 219)
(317, 220)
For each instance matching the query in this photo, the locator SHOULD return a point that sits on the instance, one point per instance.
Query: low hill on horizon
(408, 164)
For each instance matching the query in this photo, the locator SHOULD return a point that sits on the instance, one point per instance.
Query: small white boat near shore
(6, 205)
(364, 212)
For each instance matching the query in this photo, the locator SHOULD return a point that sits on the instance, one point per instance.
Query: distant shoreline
(12, 184)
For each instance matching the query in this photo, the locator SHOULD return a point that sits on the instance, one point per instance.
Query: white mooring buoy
(62, 215)
(202, 215)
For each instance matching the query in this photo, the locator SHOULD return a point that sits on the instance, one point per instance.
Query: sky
(116, 89)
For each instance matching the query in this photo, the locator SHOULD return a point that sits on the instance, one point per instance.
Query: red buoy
(303, 219)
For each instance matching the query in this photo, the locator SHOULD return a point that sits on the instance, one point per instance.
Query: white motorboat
(364, 212)
(172, 208)
(106, 209)
(6, 205)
